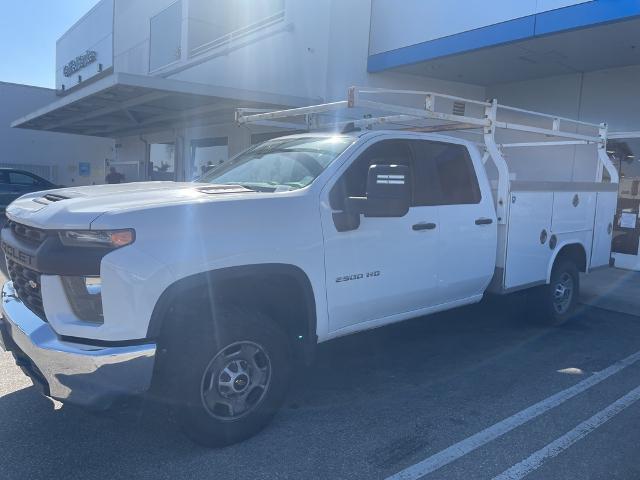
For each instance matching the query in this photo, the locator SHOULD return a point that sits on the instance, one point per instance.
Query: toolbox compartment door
(528, 256)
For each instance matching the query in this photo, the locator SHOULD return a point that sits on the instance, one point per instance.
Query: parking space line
(469, 444)
(553, 449)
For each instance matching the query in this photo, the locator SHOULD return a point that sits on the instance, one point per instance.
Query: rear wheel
(230, 378)
(555, 303)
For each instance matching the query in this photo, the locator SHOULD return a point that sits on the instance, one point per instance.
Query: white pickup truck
(207, 294)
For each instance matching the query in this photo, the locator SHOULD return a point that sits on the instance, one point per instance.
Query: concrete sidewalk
(612, 289)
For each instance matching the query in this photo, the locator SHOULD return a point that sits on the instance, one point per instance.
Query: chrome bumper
(87, 375)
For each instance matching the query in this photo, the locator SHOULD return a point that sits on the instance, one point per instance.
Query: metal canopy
(124, 104)
(611, 45)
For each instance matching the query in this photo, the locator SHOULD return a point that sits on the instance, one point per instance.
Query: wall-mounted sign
(78, 63)
(84, 169)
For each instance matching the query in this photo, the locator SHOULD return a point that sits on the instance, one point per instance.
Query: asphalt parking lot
(472, 393)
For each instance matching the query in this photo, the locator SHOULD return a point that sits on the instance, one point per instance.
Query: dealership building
(162, 78)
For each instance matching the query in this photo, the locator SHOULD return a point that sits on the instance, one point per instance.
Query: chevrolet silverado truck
(206, 295)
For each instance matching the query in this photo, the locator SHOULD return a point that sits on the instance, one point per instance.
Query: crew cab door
(385, 266)
(468, 226)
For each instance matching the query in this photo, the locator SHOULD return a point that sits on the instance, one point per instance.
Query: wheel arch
(284, 290)
(574, 251)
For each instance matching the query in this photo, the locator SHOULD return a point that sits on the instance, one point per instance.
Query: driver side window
(353, 182)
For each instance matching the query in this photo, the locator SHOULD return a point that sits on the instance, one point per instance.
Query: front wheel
(231, 378)
(555, 303)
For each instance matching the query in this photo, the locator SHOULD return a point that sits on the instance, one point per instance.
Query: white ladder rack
(362, 109)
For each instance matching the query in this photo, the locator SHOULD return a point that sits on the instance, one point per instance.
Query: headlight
(85, 296)
(97, 238)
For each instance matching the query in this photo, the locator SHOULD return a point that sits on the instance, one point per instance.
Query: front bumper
(87, 375)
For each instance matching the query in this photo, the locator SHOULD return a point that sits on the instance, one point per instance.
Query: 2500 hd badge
(357, 276)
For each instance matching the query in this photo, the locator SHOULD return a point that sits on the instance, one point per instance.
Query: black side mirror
(388, 192)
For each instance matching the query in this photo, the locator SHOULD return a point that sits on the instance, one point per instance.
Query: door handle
(484, 221)
(424, 226)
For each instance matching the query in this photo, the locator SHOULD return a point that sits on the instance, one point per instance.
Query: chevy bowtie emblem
(33, 284)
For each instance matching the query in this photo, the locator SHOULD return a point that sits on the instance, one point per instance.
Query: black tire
(189, 368)
(546, 306)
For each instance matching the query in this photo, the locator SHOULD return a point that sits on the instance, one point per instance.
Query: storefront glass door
(206, 153)
(162, 162)
(626, 236)
(122, 172)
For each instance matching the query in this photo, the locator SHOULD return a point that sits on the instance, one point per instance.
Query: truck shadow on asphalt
(355, 385)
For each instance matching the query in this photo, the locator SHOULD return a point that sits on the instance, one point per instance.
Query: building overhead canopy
(592, 35)
(599, 48)
(123, 104)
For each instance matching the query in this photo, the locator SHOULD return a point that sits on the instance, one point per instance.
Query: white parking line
(469, 444)
(536, 460)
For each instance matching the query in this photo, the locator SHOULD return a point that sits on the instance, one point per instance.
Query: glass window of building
(162, 162)
(165, 37)
(206, 153)
(212, 22)
(626, 157)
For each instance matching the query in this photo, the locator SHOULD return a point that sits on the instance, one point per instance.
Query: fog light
(93, 285)
(85, 297)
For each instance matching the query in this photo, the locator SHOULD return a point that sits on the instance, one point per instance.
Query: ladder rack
(435, 112)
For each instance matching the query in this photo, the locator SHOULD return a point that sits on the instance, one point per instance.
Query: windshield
(280, 165)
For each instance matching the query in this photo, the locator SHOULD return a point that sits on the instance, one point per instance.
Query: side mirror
(388, 192)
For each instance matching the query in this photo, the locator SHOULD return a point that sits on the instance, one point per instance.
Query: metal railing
(238, 34)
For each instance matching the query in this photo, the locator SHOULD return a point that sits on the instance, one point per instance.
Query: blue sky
(28, 33)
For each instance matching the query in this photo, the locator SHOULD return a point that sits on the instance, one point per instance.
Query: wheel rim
(563, 293)
(236, 380)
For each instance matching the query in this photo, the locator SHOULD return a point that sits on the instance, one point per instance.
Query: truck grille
(24, 232)
(26, 283)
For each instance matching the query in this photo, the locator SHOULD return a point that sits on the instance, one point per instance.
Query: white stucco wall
(61, 153)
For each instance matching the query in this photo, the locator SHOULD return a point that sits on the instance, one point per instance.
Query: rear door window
(442, 173)
(447, 172)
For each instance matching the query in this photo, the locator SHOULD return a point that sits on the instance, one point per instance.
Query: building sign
(78, 63)
(84, 169)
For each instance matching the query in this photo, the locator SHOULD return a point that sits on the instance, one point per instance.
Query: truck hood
(77, 207)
